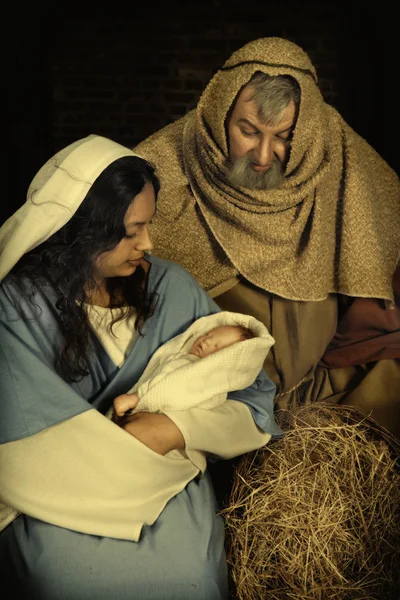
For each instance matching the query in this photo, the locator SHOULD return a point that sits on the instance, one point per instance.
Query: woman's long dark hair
(66, 260)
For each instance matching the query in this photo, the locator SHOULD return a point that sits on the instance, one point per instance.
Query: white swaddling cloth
(177, 380)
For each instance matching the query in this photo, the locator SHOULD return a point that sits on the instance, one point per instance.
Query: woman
(83, 307)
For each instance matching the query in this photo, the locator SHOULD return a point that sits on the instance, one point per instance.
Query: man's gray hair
(272, 95)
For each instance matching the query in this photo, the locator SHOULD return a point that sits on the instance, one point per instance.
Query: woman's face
(124, 259)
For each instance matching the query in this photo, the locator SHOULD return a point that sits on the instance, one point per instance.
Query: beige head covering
(333, 226)
(55, 194)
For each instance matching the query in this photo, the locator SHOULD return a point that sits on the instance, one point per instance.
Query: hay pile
(316, 514)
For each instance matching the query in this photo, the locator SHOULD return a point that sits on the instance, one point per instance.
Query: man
(280, 210)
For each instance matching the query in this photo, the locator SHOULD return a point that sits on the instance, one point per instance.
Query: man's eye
(286, 137)
(130, 237)
(248, 133)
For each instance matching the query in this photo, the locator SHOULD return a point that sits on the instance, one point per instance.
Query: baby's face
(216, 339)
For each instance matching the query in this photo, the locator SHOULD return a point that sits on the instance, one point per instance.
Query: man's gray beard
(241, 174)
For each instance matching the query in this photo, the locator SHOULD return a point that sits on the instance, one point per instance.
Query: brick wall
(126, 78)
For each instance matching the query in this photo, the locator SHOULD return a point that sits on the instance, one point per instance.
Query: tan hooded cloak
(332, 229)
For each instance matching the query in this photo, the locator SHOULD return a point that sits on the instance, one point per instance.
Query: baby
(199, 367)
(208, 343)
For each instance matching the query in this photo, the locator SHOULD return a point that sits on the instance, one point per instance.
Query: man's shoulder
(164, 149)
(168, 136)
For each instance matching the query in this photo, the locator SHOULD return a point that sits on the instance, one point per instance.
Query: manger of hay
(315, 515)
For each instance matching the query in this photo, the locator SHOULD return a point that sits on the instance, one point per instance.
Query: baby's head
(219, 338)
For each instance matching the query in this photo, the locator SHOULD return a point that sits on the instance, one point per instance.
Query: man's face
(258, 152)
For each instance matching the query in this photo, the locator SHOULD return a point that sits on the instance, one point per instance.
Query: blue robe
(181, 555)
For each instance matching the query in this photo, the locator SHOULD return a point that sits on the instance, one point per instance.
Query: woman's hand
(155, 430)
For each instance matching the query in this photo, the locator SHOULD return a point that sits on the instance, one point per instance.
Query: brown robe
(340, 350)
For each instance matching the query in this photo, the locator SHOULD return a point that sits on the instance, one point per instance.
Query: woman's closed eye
(131, 236)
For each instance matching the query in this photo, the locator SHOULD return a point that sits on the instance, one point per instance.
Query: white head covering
(55, 194)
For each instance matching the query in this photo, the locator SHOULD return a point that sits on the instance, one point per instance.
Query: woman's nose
(143, 242)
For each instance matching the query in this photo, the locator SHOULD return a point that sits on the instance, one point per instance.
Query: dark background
(126, 75)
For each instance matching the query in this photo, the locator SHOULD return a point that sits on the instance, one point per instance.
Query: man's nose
(264, 152)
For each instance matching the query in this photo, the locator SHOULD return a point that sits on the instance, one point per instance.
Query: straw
(315, 515)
